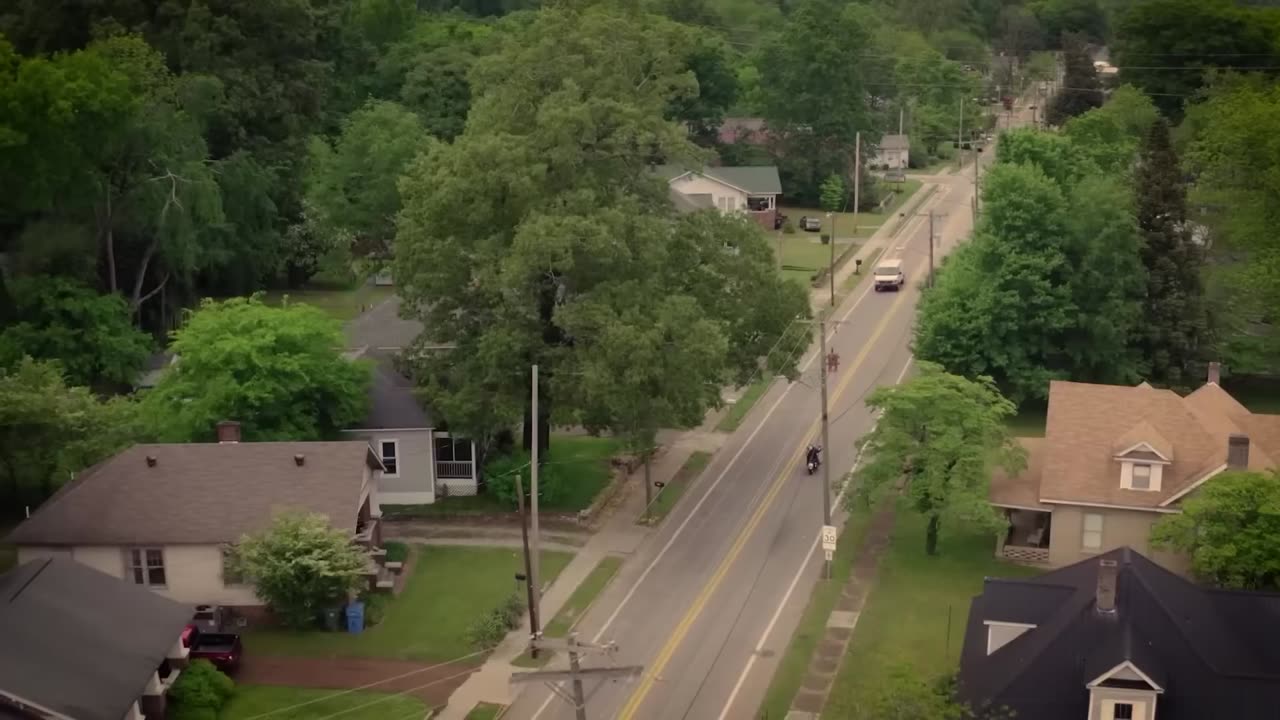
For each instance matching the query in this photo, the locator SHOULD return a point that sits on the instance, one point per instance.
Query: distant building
(894, 153)
(749, 130)
(753, 191)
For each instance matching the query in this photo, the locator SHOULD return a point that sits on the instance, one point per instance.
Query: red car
(221, 649)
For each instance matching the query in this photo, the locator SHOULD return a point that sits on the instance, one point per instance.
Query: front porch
(764, 210)
(1027, 539)
(455, 465)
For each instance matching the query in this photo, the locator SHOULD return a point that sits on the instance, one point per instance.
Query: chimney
(228, 432)
(299, 459)
(1105, 600)
(1215, 373)
(1237, 452)
(151, 461)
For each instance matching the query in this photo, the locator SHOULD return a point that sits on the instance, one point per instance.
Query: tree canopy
(276, 370)
(943, 434)
(1231, 529)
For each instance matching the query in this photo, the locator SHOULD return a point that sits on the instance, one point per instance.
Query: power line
(396, 695)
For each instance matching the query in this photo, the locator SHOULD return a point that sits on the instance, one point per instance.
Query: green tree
(816, 83)
(1018, 32)
(1166, 47)
(276, 370)
(1081, 91)
(88, 334)
(351, 188)
(300, 566)
(1175, 330)
(1231, 529)
(905, 695)
(710, 60)
(833, 193)
(1110, 135)
(546, 201)
(49, 431)
(1072, 17)
(943, 434)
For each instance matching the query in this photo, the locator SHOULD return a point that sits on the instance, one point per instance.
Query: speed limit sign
(828, 538)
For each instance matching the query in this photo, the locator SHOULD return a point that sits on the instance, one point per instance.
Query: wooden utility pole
(577, 697)
(930, 249)
(960, 133)
(535, 565)
(528, 563)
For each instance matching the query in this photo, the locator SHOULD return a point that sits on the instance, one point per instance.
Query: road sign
(829, 538)
(829, 555)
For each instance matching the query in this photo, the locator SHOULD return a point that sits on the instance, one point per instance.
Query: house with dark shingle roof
(753, 191)
(422, 459)
(1115, 459)
(81, 644)
(1117, 637)
(162, 516)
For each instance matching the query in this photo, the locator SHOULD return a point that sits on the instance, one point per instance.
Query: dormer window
(1141, 474)
(1141, 479)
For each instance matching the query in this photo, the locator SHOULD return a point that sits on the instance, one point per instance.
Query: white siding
(416, 476)
(722, 195)
(193, 573)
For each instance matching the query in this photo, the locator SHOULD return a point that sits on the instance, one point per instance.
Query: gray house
(422, 461)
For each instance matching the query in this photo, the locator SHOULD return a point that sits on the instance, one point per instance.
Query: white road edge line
(795, 581)
(661, 553)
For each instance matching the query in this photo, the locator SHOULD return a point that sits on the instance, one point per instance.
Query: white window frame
(144, 566)
(1133, 477)
(395, 443)
(1115, 710)
(1085, 532)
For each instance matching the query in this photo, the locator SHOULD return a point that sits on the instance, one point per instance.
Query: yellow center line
(699, 604)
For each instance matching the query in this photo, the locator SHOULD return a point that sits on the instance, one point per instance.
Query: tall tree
(546, 201)
(1110, 135)
(1231, 529)
(1175, 331)
(1072, 17)
(1081, 90)
(942, 434)
(1166, 47)
(276, 370)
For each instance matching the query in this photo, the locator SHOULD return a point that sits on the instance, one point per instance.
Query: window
(390, 451)
(1091, 538)
(450, 449)
(1141, 477)
(230, 568)
(146, 566)
(1123, 711)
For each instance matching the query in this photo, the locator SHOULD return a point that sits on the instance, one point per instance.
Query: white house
(164, 515)
(753, 191)
(894, 153)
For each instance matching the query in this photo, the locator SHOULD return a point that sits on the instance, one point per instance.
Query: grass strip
(675, 488)
(738, 411)
(579, 602)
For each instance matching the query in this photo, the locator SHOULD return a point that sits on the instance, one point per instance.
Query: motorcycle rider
(812, 456)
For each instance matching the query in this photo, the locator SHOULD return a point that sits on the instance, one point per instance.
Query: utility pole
(857, 178)
(528, 564)
(960, 133)
(577, 697)
(826, 466)
(901, 111)
(975, 186)
(535, 565)
(930, 249)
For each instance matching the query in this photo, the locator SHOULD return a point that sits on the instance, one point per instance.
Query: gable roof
(756, 180)
(895, 142)
(80, 642)
(393, 404)
(1211, 652)
(201, 493)
(685, 204)
(1088, 424)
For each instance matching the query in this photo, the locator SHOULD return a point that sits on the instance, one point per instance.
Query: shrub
(375, 607)
(200, 692)
(300, 566)
(489, 629)
(788, 227)
(396, 551)
(500, 478)
(826, 238)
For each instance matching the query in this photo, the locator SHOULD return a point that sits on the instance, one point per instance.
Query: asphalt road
(709, 602)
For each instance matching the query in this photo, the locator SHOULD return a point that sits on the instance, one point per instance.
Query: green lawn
(583, 597)
(675, 487)
(342, 304)
(450, 587)
(1029, 422)
(254, 700)
(581, 460)
(866, 222)
(791, 668)
(738, 411)
(485, 711)
(916, 600)
(803, 255)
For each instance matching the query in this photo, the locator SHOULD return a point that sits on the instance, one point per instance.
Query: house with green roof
(753, 191)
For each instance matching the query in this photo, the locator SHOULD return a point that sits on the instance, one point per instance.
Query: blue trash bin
(355, 617)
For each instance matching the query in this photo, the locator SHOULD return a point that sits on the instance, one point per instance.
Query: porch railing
(1022, 554)
(454, 469)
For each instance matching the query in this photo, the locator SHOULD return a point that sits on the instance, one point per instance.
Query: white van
(888, 275)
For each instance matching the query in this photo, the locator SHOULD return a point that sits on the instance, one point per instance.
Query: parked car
(810, 224)
(223, 649)
(779, 220)
(888, 275)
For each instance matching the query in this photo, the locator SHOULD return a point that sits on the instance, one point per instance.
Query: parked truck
(223, 649)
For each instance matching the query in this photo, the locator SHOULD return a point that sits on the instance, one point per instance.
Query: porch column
(475, 476)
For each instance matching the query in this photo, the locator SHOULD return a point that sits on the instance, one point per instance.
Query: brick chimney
(1105, 600)
(1237, 452)
(228, 432)
(1215, 373)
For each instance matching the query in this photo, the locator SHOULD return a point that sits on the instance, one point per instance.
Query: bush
(396, 551)
(500, 478)
(375, 607)
(489, 629)
(788, 227)
(200, 692)
(826, 238)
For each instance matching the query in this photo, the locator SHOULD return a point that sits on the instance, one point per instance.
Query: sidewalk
(618, 535)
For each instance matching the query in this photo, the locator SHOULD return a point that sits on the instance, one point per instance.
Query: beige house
(751, 191)
(163, 516)
(1115, 459)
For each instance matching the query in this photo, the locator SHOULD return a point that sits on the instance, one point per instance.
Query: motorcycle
(813, 462)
